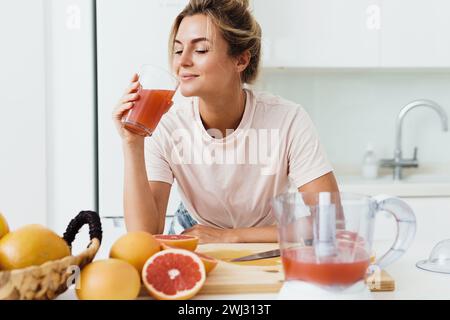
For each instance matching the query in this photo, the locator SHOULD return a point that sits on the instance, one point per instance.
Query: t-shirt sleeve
(307, 159)
(156, 161)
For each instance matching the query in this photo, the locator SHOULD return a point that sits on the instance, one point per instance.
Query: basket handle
(91, 218)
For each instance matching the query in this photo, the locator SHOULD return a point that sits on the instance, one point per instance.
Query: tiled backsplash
(354, 107)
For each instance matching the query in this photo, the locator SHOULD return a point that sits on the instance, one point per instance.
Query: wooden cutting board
(260, 276)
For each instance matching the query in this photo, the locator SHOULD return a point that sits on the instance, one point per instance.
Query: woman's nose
(185, 59)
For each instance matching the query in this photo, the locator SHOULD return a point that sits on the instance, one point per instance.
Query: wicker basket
(50, 279)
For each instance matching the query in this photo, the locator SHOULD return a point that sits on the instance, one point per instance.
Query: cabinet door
(433, 219)
(70, 80)
(415, 33)
(129, 34)
(319, 33)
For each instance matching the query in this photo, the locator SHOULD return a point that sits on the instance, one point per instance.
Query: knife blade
(258, 256)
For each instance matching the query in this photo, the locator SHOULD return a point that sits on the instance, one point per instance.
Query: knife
(258, 256)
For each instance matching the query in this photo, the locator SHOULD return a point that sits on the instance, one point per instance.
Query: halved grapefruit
(173, 274)
(209, 262)
(178, 241)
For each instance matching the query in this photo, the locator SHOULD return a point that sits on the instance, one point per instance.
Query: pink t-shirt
(228, 183)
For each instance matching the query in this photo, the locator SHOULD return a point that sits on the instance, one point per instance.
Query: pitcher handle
(406, 227)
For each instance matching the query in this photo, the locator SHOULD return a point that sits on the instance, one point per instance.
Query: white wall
(22, 112)
(352, 108)
(47, 155)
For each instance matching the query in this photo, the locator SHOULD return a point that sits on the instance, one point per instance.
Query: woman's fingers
(133, 88)
(120, 110)
(130, 98)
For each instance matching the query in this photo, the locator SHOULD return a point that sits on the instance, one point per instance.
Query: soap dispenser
(370, 163)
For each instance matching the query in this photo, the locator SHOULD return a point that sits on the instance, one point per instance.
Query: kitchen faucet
(398, 163)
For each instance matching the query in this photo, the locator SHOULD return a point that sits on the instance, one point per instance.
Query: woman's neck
(223, 112)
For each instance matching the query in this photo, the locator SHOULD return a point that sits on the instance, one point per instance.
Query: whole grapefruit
(109, 279)
(135, 248)
(4, 229)
(31, 245)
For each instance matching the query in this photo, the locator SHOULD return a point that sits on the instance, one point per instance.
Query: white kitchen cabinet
(319, 33)
(415, 33)
(129, 34)
(355, 33)
(433, 218)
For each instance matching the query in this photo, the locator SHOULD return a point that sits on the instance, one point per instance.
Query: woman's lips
(188, 77)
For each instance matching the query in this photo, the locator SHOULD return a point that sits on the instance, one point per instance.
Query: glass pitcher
(326, 238)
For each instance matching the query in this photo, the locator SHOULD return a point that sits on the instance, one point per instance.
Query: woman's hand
(206, 234)
(211, 235)
(126, 103)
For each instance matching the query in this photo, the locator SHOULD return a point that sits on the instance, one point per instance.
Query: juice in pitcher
(347, 268)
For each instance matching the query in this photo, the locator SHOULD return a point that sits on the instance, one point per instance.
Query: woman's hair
(237, 25)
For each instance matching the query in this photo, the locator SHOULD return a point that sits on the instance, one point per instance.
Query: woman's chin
(188, 92)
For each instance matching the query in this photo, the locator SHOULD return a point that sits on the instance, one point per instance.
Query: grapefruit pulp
(209, 262)
(173, 274)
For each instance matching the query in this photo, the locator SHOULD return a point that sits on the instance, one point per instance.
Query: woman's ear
(243, 60)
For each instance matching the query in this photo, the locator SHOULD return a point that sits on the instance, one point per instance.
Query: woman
(215, 49)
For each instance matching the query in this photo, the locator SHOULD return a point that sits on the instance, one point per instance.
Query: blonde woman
(215, 49)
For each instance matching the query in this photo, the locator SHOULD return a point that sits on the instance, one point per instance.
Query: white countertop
(414, 186)
(411, 282)
(427, 181)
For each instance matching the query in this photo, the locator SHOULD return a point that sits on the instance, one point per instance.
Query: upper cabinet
(354, 33)
(415, 33)
(319, 33)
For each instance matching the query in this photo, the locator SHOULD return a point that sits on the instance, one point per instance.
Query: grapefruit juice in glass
(157, 88)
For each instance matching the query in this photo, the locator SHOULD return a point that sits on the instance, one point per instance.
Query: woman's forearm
(140, 208)
(255, 235)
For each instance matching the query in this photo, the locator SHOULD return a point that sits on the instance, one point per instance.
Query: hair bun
(244, 3)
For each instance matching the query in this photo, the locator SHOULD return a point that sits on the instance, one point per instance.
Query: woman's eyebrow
(194, 40)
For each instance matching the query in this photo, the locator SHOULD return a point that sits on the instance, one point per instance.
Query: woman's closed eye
(199, 51)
